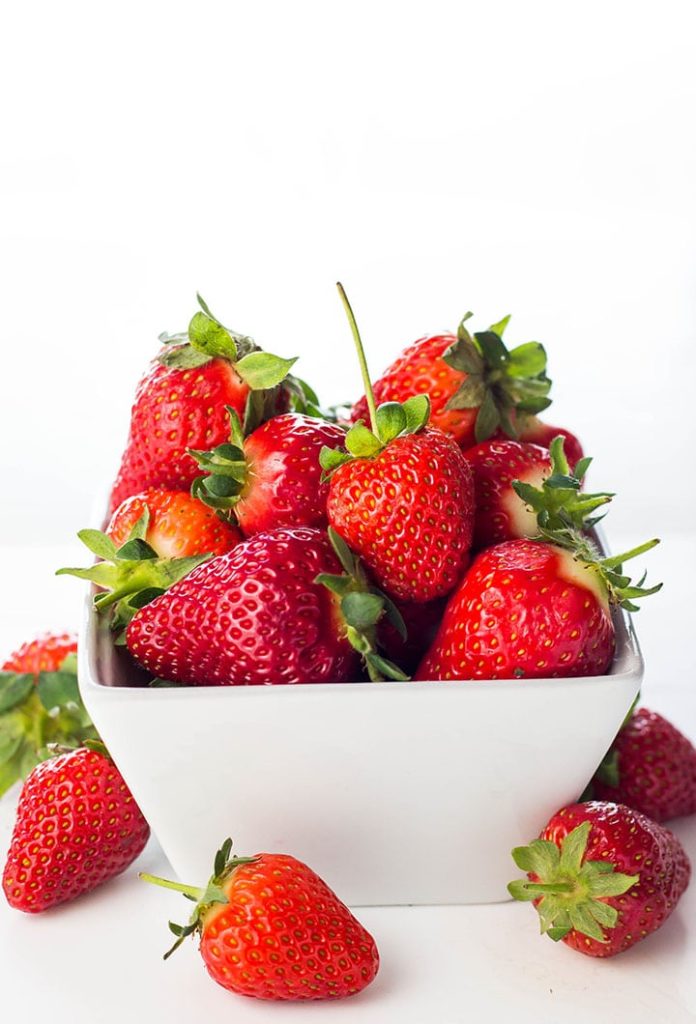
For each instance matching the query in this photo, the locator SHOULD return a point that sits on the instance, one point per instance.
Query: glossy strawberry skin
(656, 766)
(176, 409)
(252, 616)
(533, 430)
(179, 525)
(420, 369)
(46, 653)
(284, 935)
(635, 845)
(500, 514)
(284, 485)
(524, 609)
(408, 512)
(77, 826)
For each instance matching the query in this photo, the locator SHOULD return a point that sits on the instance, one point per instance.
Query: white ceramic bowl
(395, 793)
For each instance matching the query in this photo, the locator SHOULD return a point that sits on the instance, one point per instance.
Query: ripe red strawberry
(45, 653)
(273, 477)
(401, 496)
(531, 428)
(602, 877)
(521, 487)
(270, 928)
(181, 403)
(475, 384)
(533, 609)
(273, 610)
(178, 524)
(39, 704)
(651, 767)
(77, 826)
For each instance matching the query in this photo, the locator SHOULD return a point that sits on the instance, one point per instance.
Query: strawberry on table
(271, 478)
(178, 524)
(40, 704)
(476, 386)
(602, 877)
(270, 928)
(276, 609)
(401, 495)
(651, 766)
(522, 487)
(77, 826)
(181, 403)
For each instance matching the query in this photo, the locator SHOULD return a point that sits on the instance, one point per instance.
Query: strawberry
(178, 524)
(274, 610)
(180, 403)
(273, 477)
(401, 495)
(270, 928)
(421, 622)
(602, 877)
(531, 428)
(651, 767)
(521, 487)
(475, 384)
(40, 704)
(77, 826)
(527, 608)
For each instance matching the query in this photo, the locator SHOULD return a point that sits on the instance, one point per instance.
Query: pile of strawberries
(437, 530)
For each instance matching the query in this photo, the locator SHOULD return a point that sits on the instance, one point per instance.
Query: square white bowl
(395, 793)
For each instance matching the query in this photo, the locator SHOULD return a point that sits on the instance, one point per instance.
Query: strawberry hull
(362, 781)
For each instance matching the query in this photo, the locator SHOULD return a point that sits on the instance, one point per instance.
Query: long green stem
(615, 560)
(367, 383)
(188, 890)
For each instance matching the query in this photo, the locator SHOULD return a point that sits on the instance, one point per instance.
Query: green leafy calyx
(37, 712)
(131, 576)
(500, 382)
(571, 891)
(362, 607)
(214, 892)
(225, 471)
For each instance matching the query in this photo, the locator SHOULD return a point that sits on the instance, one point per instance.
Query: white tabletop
(99, 959)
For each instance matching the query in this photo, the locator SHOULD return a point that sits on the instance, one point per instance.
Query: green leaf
(98, 543)
(464, 356)
(9, 744)
(614, 884)
(492, 349)
(331, 458)
(340, 585)
(361, 442)
(139, 529)
(391, 421)
(469, 396)
(343, 552)
(10, 771)
(362, 611)
(583, 922)
(183, 357)
(261, 370)
(15, 687)
(211, 338)
(602, 913)
(55, 689)
(528, 360)
(499, 328)
(417, 410)
(573, 849)
(380, 668)
(488, 419)
(541, 857)
(519, 891)
(462, 331)
(136, 550)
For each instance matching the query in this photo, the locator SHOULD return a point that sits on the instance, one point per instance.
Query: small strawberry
(181, 403)
(520, 487)
(77, 826)
(602, 877)
(475, 384)
(401, 496)
(276, 609)
(530, 428)
(271, 478)
(40, 704)
(651, 767)
(270, 928)
(178, 525)
(533, 609)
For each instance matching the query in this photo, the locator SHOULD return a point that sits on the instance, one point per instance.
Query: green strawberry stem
(367, 383)
(188, 890)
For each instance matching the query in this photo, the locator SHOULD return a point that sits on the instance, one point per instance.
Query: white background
(534, 158)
